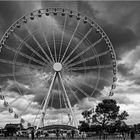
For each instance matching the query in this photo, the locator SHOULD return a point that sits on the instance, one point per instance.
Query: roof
(64, 127)
(18, 125)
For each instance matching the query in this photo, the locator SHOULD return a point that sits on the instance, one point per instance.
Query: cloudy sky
(120, 20)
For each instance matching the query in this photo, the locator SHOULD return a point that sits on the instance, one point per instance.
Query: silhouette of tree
(123, 116)
(84, 126)
(87, 115)
(106, 114)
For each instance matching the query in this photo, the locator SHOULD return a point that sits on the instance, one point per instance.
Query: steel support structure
(57, 74)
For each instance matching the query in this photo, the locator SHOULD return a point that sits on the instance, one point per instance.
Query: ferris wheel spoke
(24, 55)
(16, 74)
(64, 99)
(28, 76)
(34, 120)
(89, 58)
(60, 100)
(13, 101)
(67, 99)
(84, 83)
(90, 67)
(21, 64)
(44, 36)
(59, 92)
(17, 98)
(85, 50)
(41, 48)
(63, 32)
(52, 97)
(54, 45)
(47, 98)
(26, 108)
(101, 79)
(82, 91)
(2, 109)
(75, 96)
(39, 110)
(70, 41)
(78, 45)
(65, 102)
(89, 85)
(29, 47)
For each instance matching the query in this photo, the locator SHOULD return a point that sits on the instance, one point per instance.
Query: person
(37, 134)
(72, 133)
(128, 132)
(57, 133)
(32, 134)
(132, 135)
(123, 135)
(68, 134)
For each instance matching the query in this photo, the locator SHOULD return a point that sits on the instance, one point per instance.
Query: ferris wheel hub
(57, 66)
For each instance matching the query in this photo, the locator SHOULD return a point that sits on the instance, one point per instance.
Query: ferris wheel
(51, 60)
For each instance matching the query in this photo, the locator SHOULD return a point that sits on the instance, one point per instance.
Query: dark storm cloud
(123, 37)
(9, 12)
(20, 90)
(119, 31)
(39, 97)
(137, 81)
(121, 99)
(118, 12)
(17, 88)
(124, 70)
(119, 20)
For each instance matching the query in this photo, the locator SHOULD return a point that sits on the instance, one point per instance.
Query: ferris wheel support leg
(68, 101)
(41, 121)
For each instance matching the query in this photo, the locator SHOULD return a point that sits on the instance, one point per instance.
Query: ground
(91, 138)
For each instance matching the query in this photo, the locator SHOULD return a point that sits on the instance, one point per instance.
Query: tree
(120, 124)
(87, 115)
(123, 116)
(106, 114)
(83, 126)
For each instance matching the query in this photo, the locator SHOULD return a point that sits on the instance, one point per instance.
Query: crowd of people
(72, 134)
(57, 133)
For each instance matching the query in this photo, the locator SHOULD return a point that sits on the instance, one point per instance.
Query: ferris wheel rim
(67, 12)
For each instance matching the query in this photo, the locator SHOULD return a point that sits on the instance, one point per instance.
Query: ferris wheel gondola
(58, 55)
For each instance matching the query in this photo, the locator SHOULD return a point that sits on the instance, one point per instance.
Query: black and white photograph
(70, 70)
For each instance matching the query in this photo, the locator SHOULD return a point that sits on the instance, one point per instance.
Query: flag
(111, 93)
(22, 120)
(1, 96)
(5, 103)
(16, 116)
(10, 110)
(29, 124)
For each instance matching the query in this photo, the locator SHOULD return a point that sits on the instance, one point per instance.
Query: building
(11, 129)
